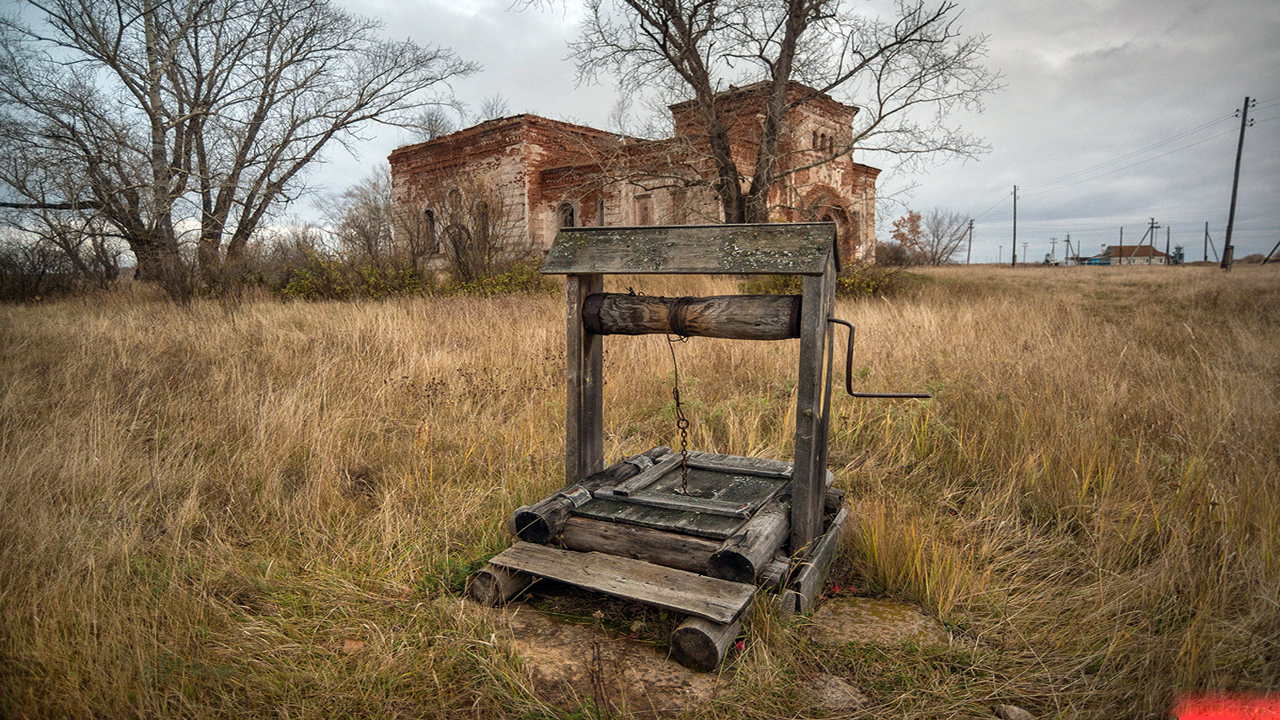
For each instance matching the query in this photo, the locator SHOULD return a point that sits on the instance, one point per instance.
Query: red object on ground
(1225, 707)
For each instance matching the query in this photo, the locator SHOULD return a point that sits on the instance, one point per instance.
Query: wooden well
(744, 523)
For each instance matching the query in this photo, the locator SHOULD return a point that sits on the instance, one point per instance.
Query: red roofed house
(548, 174)
(1135, 255)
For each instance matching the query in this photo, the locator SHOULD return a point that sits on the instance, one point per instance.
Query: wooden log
(701, 645)
(736, 317)
(775, 573)
(809, 576)
(540, 522)
(744, 554)
(683, 552)
(748, 550)
(493, 585)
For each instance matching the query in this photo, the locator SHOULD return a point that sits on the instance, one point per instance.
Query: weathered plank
(647, 477)
(808, 576)
(764, 249)
(701, 645)
(748, 466)
(683, 503)
(734, 317)
(684, 552)
(493, 585)
(543, 520)
(689, 593)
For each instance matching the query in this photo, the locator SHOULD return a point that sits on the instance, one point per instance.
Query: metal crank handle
(848, 371)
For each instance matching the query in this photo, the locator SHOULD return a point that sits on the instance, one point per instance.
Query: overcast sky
(1093, 90)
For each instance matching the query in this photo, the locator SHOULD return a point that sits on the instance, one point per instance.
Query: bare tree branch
(156, 113)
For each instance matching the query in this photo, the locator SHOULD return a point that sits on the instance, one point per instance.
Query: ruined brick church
(529, 176)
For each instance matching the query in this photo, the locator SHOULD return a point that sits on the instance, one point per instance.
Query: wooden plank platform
(720, 601)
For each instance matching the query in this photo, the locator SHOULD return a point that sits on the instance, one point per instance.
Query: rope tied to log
(678, 316)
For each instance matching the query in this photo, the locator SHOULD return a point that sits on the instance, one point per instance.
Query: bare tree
(493, 107)
(362, 219)
(194, 109)
(431, 123)
(931, 239)
(371, 229)
(943, 236)
(693, 48)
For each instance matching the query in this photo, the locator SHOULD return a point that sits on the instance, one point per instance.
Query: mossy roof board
(755, 249)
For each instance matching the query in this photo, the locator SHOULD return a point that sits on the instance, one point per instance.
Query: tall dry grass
(202, 507)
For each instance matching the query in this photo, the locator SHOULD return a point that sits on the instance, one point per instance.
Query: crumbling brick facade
(544, 174)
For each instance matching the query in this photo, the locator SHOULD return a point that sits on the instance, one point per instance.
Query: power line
(1135, 153)
(1131, 165)
(998, 204)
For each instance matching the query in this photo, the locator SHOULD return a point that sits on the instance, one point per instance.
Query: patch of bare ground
(268, 509)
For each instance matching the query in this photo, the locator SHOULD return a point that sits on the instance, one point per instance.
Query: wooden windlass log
(736, 317)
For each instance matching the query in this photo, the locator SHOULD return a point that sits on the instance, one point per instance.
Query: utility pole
(968, 254)
(1014, 247)
(1273, 252)
(1206, 241)
(1228, 251)
(1120, 252)
(1024, 251)
(1068, 250)
(1152, 231)
(1167, 259)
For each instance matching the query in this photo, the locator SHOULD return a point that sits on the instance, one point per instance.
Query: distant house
(1128, 255)
(549, 174)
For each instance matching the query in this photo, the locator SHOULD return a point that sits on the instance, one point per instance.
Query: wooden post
(813, 393)
(584, 358)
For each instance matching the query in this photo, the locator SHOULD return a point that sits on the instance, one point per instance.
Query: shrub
(523, 276)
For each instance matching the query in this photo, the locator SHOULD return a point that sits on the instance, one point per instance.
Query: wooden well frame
(781, 541)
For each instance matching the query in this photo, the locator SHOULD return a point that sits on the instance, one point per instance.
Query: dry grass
(200, 506)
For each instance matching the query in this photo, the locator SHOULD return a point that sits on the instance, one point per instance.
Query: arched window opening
(823, 139)
(484, 223)
(566, 215)
(600, 211)
(433, 240)
(814, 143)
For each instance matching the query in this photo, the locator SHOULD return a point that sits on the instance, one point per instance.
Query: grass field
(200, 506)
